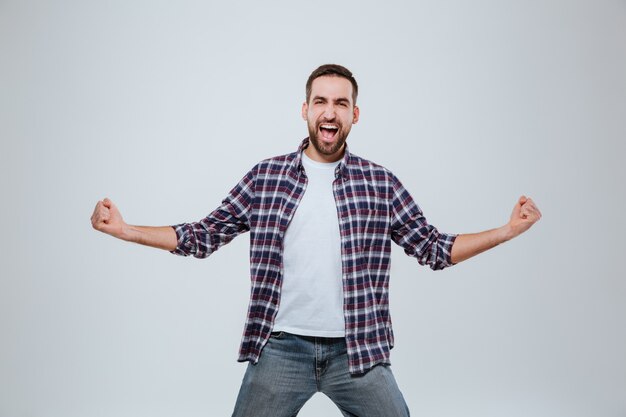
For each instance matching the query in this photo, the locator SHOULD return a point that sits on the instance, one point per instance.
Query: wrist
(128, 233)
(507, 233)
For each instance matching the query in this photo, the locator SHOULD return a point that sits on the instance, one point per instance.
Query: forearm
(162, 237)
(467, 245)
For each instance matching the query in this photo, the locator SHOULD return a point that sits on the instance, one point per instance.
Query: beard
(325, 148)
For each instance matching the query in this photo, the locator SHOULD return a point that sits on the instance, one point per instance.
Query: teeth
(329, 127)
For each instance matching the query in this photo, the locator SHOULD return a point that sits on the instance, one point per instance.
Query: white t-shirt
(311, 301)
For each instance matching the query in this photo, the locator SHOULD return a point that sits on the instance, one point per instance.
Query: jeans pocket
(277, 335)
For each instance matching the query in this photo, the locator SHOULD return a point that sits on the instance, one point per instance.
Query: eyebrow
(338, 100)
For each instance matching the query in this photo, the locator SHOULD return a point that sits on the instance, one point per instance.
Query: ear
(305, 110)
(355, 114)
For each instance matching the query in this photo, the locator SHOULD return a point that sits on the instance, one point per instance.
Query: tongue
(328, 134)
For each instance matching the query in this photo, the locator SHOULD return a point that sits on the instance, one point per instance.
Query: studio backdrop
(163, 106)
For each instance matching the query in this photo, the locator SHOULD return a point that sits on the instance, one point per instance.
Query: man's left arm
(525, 214)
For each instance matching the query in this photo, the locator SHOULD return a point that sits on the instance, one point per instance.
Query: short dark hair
(332, 70)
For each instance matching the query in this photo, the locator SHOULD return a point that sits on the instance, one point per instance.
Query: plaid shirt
(373, 209)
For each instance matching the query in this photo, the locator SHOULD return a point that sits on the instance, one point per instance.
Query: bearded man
(321, 223)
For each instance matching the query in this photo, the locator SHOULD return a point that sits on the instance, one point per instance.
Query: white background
(163, 106)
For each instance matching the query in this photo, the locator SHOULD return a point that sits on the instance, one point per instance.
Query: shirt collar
(342, 168)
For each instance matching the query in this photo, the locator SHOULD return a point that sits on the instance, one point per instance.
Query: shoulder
(372, 171)
(275, 164)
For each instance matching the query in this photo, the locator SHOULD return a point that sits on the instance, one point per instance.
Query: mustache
(329, 122)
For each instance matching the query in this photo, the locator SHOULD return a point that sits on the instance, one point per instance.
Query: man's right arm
(199, 239)
(106, 218)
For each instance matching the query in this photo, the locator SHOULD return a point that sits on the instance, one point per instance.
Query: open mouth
(328, 131)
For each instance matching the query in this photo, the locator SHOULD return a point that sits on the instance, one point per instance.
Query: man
(321, 221)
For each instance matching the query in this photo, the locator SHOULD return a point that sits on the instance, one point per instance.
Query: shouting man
(321, 222)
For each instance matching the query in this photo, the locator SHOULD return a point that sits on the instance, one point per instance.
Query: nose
(329, 112)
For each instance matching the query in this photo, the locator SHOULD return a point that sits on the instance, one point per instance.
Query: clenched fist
(106, 218)
(525, 214)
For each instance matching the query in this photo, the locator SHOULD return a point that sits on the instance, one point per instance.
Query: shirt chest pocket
(363, 218)
(369, 224)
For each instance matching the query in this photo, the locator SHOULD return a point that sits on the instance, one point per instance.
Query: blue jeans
(292, 368)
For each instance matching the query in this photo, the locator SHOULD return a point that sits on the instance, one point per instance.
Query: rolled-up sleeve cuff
(185, 239)
(446, 241)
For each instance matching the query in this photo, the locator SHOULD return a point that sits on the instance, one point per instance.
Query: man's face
(330, 114)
